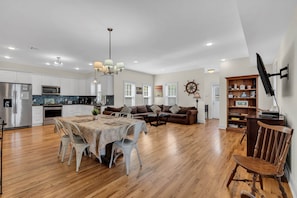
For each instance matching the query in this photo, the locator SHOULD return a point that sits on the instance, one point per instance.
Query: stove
(50, 111)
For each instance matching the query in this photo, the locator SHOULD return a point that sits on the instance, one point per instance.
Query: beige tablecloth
(106, 129)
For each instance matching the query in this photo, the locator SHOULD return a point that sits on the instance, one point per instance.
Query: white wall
(130, 76)
(182, 79)
(287, 93)
(240, 67)
(209, 81)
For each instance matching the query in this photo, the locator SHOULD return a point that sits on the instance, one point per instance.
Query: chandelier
(108, 68)
(58, 62)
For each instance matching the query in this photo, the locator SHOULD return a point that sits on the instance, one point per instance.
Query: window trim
(166, 92)
(133, 93)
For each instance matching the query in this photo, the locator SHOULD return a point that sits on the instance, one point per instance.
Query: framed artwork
(241, 103)
(138, 90)
(158, 91)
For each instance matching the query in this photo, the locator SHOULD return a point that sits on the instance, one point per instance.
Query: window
(97, 91)
(129, 94)
(99, 94)
(147, 94)
(171, 93)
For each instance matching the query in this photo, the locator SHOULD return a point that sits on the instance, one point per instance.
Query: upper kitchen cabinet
(39, 80)
(36, 84)
(82, 88)
(90, 87)
(50, 80)
(23, 77)
(7, 76)
(74, 87)
(15, 77)
(107, 84)
(69, 87)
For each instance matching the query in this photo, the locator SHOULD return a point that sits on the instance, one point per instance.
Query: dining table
(102, 130)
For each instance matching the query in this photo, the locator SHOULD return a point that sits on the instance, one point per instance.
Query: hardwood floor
(178, 161)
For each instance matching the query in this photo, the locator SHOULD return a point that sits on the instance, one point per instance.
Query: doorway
(215, 101)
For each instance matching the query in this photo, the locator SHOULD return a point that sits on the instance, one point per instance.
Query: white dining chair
(64, 138)
(127, 145)
(126, 115)
(79, 144)
(116, 114)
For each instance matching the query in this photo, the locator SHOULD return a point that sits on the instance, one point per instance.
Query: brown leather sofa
(186, 115)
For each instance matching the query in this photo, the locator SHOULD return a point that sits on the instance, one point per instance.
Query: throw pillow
(148, 108)
(126, 109)
(141, 109)
(174, 109)
(183, 110)
(166, 108)
(134, 109)
(156, 109)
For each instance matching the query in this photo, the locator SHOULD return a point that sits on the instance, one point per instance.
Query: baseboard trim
(292, 183)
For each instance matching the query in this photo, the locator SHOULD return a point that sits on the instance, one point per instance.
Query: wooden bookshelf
(242, 100)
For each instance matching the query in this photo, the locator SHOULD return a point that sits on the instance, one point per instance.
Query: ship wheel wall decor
(191, 87)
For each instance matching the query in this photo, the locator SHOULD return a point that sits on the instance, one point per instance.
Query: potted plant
(95, 113)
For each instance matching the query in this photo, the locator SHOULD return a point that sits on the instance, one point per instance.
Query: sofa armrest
(107, 112)
(192, 116)
(192, 112)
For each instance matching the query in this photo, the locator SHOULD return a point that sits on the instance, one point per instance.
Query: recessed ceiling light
(135, 62)
(209, 44)
(11, 48)
(76, 68)
(223, 59)
(90, 64)
(210, 71)
(7, 57)
(47, 63)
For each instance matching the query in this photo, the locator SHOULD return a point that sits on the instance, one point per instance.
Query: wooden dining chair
(269, 156)
(126, 145)
(244, 194)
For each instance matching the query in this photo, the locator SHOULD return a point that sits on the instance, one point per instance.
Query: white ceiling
(163, 36)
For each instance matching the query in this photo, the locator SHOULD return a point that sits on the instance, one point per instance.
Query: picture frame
(241, 103)
(158, 91)
(138, 90)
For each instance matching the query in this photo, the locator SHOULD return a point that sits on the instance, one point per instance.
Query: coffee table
(157, 119)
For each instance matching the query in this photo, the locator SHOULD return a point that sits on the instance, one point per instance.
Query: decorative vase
(95, 117)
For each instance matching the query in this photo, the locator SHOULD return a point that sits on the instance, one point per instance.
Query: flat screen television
(264, 76)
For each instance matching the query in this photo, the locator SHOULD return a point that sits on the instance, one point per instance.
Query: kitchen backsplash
(45, 99)
(42, 99)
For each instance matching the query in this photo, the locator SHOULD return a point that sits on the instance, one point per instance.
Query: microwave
(50, 90)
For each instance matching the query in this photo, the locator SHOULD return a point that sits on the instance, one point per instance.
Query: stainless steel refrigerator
(16, 104)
